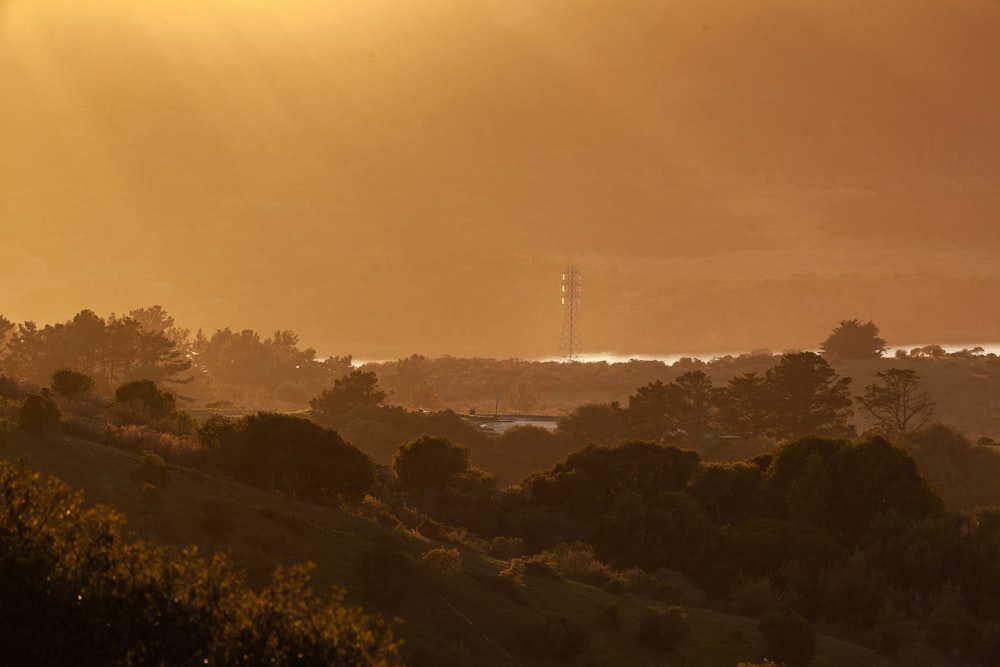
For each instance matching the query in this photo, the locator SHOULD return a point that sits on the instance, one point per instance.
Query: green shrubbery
(152, 469)
(74, 593)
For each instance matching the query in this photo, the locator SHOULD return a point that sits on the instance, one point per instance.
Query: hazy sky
(387, 177)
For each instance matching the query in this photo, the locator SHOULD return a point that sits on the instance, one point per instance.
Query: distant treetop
(853, 339)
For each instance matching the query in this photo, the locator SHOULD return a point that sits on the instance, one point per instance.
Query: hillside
(461, 618)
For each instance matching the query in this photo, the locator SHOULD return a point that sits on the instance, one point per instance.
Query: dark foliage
(38, 413)
(287, 454)
(69, 383)
(854, 339)
(147, 398)
(429, 464)
(352, 392)
(108, 350)
(152, 469)
(75, 594)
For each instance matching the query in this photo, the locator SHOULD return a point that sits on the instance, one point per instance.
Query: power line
(569, 346)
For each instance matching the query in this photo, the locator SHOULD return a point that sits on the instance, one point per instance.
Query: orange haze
(387, 177)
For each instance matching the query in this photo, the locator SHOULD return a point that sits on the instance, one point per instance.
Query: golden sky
(387, 177)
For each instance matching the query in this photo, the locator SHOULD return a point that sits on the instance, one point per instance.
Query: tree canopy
(805, 396)
(896, 402)
(359, 389)
(854, 339)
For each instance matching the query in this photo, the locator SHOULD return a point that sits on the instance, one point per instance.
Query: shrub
(84, 597)
(442, 560)
(509, 581)
(789, 637)
(430, 528)
(577, 561)
(68, 383)
(514, 571)
(145, 396)
(664, 628)
(507, 547)
(552, 636)
(38, 413)
(80, 427)
(540, 568)
(152, 469)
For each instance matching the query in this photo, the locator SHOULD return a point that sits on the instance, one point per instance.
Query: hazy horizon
(387, 179)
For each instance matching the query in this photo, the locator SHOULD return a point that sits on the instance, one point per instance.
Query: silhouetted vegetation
(853, 339)
(287, 454)
(752, 495)
(74, 593)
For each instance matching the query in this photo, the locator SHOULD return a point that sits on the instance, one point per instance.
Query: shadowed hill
(461, 617)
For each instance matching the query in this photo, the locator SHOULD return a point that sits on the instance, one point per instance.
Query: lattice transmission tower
(569, 346)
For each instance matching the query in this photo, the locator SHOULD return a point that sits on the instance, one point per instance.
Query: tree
(288, 454)
(6, 328)
(69, 383)
(358, 390)
(742, 408)
(145, 395)
(896, 403)
(595, 423)
(805, 396)
(694, 404)
(853, 339)
(524, 396)
(38, 413)
(429, 464)
(647, 410)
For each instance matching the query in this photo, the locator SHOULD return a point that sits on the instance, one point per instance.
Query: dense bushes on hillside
(74, 593)
(287, 454)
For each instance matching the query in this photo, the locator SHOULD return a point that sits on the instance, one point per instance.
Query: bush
(789, 637)
(577, 561)
(664, 628)
(68, 383)
(507, 547)
(552, 636)
(38, 414)
(147, 400)
(152, 469)
(442, 560)
(80, 596)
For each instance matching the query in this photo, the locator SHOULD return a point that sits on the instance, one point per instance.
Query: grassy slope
(462, 617)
